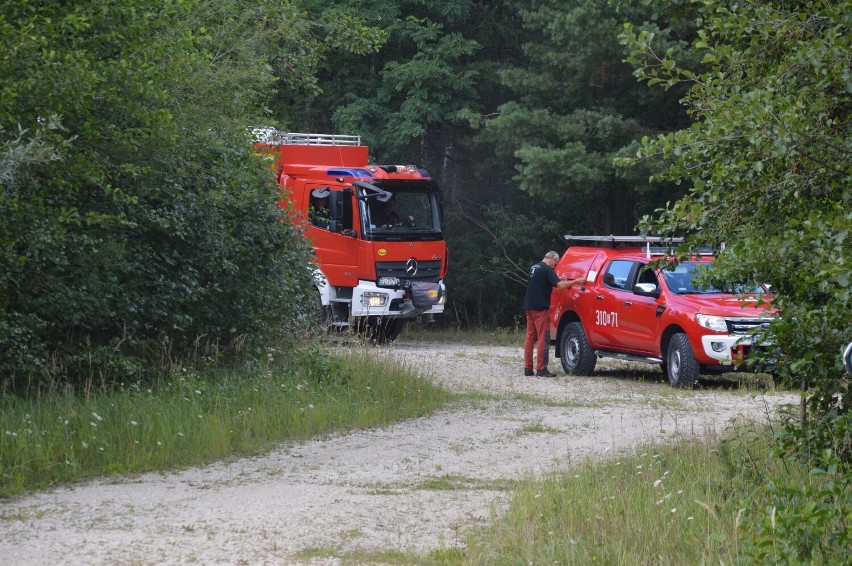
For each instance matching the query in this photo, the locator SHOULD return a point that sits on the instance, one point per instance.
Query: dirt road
(413, 487)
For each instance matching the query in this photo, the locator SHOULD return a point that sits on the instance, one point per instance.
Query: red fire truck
(376, 230)
(634, 311)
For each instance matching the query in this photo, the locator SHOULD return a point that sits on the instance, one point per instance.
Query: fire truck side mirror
(335, 210)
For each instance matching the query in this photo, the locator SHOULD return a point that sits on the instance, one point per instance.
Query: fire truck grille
(425, 270)
(746, 325)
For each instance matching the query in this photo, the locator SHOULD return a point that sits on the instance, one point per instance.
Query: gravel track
(415, 486)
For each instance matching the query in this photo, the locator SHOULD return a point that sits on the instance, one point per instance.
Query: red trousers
(538, 336)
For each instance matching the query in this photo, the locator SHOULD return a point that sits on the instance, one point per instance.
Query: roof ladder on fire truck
(272, 136)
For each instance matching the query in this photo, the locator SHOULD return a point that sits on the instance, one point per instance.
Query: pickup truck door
(609, 298)
(638, 316)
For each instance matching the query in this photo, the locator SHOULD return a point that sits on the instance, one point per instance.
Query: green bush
(139, 229)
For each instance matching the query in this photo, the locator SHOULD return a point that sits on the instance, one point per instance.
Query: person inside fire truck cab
(319, 212)
(542, 280)
(389, 217)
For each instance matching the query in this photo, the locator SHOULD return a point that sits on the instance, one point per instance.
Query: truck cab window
(647, 276)
(413, 214)
(319, 212)
(618, 274)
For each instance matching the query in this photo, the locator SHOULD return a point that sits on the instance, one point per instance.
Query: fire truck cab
(377, 230)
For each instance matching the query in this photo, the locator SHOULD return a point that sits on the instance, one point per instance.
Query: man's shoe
(528, 372)
(545, 373)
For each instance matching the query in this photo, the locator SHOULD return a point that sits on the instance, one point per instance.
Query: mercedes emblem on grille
(411, 267)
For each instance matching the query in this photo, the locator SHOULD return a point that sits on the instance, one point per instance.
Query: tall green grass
(700, 501)
(196, 417)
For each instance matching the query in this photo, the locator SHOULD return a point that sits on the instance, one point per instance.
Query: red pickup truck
(629, 310)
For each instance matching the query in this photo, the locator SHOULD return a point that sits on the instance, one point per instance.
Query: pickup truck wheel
(682, 367)
(577, 356)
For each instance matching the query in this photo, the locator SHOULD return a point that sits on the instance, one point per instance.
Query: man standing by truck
(542, 280)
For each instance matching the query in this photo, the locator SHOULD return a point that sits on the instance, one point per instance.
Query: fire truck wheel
(681, 365)
(390, 330)
(381, 330)
(321, 315)
(577, 356)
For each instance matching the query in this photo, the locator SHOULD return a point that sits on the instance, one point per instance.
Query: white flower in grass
(657, 483)
(134, 423)
(84, 444)
(674, 509)
(180, 434)
(97, 416)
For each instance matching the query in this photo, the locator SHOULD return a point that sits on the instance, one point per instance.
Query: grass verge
(696, 502)
(194, 418)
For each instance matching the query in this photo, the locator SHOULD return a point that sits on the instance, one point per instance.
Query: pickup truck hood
(720, 304)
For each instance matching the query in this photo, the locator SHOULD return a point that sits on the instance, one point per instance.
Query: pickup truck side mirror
(646, 290)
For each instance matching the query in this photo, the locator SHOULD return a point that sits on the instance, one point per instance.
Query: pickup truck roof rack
(636, 241)
(270, 135)
(614, 241)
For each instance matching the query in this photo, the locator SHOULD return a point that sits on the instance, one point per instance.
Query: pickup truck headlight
(715, 323)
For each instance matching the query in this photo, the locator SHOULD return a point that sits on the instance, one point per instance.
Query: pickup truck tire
(682, 368)
(575, 353)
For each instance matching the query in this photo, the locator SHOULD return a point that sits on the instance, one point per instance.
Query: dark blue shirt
(542, 281)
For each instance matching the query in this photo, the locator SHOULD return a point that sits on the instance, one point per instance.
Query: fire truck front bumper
(368, 299)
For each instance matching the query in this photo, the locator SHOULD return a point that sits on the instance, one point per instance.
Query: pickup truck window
(648, 276)
(617, 274)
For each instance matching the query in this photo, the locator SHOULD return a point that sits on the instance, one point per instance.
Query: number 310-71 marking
(606, 318)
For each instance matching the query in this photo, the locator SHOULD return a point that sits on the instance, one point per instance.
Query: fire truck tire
(389, 330)
(381, 330)
(576, 355)
(682, 368)
(321, 315)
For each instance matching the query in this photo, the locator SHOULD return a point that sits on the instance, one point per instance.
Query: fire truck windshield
(410, 214)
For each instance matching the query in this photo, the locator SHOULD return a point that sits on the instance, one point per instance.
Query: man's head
(551, 258)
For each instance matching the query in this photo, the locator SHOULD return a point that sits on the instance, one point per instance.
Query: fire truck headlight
(374, 299)
(716, 323)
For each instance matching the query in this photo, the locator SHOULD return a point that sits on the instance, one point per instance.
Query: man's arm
(568, 283)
